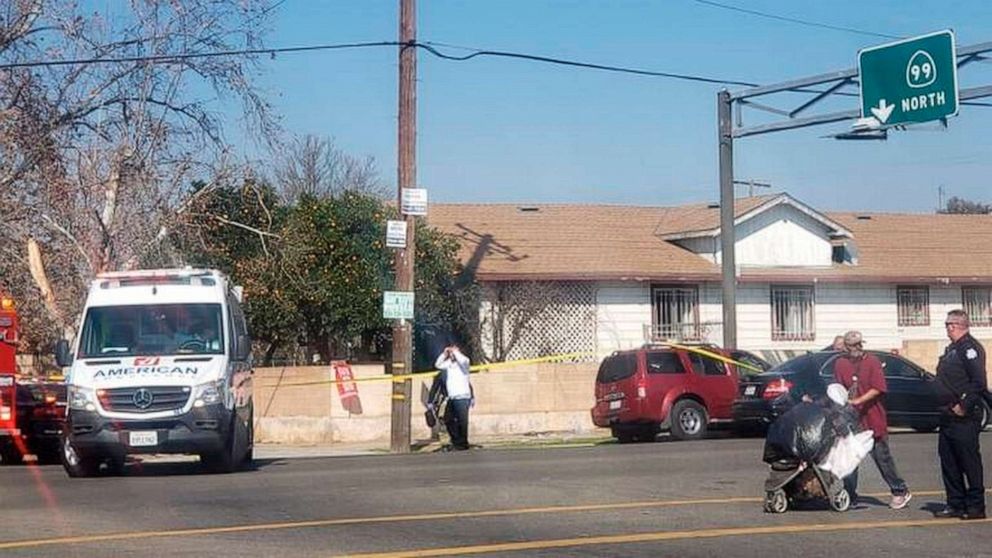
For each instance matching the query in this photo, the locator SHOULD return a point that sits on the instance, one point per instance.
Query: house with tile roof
(563, 278)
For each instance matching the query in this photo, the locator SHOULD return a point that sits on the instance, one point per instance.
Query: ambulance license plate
(142, 438)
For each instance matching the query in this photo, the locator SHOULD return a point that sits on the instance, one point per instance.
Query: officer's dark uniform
(961, 370)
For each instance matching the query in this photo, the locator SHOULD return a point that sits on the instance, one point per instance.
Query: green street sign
(397, 305)
(912, 80)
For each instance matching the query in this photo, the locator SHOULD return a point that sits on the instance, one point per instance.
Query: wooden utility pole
(402, 353)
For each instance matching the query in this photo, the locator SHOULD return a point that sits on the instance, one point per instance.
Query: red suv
(643, 391)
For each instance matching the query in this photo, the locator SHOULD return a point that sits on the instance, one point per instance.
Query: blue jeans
(886, 467)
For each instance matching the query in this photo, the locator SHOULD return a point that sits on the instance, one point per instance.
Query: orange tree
(314, 271)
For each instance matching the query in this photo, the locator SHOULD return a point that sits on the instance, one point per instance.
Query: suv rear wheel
(688, 420)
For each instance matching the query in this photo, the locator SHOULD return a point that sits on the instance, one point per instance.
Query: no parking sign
(347, 388)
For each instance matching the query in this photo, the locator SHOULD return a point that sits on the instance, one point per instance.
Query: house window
(792, 313)
(977, 302)
(675, 313)
(913, 306)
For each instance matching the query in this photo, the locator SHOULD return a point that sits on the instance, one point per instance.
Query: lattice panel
(521, 320)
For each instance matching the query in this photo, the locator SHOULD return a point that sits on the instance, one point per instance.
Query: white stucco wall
(707, 248)
(781, 236)
(622, 310)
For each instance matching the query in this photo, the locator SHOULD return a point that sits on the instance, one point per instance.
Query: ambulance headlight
(81, 399)
(209, 393)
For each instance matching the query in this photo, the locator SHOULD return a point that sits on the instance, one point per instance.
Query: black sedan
(911, 400)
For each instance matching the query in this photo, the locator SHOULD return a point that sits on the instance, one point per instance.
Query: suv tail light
(642, 390)
(777, 388)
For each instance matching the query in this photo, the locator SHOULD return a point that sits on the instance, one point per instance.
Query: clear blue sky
(499, 130)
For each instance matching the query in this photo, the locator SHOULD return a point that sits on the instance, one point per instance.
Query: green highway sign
(397, 305)
(909, 81)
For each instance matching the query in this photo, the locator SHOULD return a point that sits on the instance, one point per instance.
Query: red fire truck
(32, 412)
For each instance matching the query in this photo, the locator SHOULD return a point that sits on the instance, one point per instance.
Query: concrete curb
(294, 451)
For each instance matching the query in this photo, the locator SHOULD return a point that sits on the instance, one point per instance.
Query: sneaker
(948, 512)
(899, 501)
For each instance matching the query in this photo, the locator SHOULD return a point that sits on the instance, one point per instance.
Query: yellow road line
(82, 539)
(362, 520)
(669, 536)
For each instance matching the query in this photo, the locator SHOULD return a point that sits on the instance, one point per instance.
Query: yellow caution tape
(489, 367)
(399, 378)
(714, 356)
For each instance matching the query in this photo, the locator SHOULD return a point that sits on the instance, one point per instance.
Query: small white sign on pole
(396, 234)
(397, 305)
(414, 201)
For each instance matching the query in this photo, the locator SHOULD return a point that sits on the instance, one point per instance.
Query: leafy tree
(333, 250)
(236, 230)
(447, 300)
(314, 271)
(963, 206)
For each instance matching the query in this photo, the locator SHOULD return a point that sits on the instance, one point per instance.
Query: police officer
(961, 371)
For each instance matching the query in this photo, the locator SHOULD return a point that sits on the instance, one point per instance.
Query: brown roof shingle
(562, 241)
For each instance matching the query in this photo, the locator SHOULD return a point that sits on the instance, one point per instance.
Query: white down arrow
(883, 111)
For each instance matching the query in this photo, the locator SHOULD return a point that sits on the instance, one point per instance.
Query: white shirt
(457, 382)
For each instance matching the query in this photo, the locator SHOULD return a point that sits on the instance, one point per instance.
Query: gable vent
(863, 217)
(528, 209)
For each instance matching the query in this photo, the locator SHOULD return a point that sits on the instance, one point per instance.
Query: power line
(795, 20)
(191, 55)
(427, 46)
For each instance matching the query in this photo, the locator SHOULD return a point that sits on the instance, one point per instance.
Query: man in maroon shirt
(861, 373)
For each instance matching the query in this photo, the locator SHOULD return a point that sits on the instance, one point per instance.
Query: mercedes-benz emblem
(142, 398)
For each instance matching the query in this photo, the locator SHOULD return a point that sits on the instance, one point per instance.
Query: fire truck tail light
(5, 413)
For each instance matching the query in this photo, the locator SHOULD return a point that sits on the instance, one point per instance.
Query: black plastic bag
(806, 432)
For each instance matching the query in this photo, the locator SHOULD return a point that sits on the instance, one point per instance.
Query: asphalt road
(659, 499)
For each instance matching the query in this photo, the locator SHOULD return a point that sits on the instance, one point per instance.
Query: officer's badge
(971, 354)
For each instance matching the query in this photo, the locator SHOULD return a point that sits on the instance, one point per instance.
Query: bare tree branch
(75, 241)
(99, 159)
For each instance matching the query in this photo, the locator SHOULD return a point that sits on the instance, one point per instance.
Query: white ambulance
(161, 364)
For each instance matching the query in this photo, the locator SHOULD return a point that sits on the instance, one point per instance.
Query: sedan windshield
(162, 329)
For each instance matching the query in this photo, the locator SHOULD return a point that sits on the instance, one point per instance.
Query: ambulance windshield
(160, 329)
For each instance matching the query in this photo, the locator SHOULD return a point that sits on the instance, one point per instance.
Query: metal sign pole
(727, 236)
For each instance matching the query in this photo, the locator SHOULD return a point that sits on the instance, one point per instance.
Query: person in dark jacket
(961, 372)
